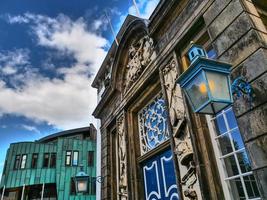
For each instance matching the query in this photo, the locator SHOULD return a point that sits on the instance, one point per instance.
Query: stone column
(182, 142)
(122, 159)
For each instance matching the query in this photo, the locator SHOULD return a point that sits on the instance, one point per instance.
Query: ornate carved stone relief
(183, 145)
(140, 54)
(122, 159)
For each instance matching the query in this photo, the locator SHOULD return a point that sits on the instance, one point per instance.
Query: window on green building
(92, 189)
(46, 160)
(53, 160)
(34, 160)
(75, 159)
(90, 158)
(68, 158)
(23, 161)
(72, 187)
(17, 162)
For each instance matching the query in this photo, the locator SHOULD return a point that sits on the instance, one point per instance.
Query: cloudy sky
(50, 51)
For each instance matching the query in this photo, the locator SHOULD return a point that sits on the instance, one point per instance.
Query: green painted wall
(61, 174)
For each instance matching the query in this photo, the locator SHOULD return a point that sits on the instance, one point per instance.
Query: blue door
(159, 177)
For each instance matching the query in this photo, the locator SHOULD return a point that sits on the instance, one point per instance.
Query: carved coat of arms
(139, 56)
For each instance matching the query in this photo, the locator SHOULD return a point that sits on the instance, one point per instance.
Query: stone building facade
(153, 146)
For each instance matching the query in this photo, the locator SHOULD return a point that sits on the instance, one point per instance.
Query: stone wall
(239, 37)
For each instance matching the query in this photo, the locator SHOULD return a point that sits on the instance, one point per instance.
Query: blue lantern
(206, 82)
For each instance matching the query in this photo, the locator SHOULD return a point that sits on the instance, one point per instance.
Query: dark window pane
(92, 189)
(237, 140)
(53, 160)
(221, 124)
(46, 160)
(68, 158)
(251, 186)
(17, 162)
(90, 158)
(75, 158)
(244, 162)
(237, 189)
(72, 187)
(231, 166)
(34, 160)
(225, 144)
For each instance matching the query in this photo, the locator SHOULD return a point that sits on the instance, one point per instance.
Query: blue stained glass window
(153, 124)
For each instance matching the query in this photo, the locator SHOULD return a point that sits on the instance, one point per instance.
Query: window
(53, 160)
(68, 158)
(72, 187)
(92, 187)
(17, 162)
(34, 160)
(152, 121)
(23, 161)
(233, 158)
(75, 158)
(90, 158)
(46, 160)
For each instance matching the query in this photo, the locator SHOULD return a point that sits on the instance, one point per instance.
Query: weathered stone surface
(261, 175)
(253, 124)
(258, 152)
(253, 66)
(232, 33)
(214, 10)
(242, 49)
(225, 18)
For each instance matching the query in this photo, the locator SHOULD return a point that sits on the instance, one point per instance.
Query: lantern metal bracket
(240, 87)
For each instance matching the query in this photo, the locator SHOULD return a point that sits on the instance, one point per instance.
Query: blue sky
(49, 53)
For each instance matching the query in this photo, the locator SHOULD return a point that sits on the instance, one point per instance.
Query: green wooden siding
(61, 174)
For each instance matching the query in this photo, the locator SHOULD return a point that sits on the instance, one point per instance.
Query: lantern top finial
(196, 51)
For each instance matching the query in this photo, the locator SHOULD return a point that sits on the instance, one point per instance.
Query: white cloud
(17, 19)
(65, 102)
(8, 70)
(10, 61)
(30, 128)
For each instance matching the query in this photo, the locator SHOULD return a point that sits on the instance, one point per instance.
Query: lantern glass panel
(218, 85)
(197, 91)
(82, 185)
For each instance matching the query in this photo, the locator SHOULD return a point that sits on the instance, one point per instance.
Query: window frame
(224, 176)
(53, 163)
(36, 160)
(91, 159)
(48, 160)
(73, 156)
(68, 156)
(17, 162)
(23, 161)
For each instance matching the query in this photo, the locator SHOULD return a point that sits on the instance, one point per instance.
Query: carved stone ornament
(140, 54)
(122, 167)
(183, 144)
(174, 95)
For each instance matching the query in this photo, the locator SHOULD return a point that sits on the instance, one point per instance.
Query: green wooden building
(44, 169)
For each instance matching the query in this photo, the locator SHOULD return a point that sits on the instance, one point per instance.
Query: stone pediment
(140, 54)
